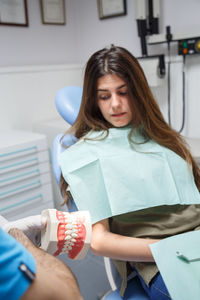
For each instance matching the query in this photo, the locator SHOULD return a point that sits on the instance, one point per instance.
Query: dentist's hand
(31, 226)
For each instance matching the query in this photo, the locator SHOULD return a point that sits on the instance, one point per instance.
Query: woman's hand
(106, 243)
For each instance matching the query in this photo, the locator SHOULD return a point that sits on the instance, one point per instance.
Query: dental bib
(109, 176)
(68, 233)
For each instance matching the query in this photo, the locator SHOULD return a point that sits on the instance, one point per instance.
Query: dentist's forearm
(54, 280)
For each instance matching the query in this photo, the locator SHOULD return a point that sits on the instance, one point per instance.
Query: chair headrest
(68, 100)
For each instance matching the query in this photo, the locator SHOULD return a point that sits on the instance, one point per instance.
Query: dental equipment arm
(106, 243)
(53, 280)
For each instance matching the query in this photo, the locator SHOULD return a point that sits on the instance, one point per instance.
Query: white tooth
(68, 237)
(69, 248)
(71, 244)
(69, 226)
(74, 235)
(74, 230)
(68, 231)
(73, 240)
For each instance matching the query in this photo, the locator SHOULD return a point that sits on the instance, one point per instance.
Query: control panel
(189, 46)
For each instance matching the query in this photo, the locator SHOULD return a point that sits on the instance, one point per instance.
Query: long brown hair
(145, 110)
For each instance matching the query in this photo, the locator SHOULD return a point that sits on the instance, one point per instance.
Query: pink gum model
(66, 232)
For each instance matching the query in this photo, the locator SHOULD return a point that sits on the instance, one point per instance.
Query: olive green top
(154, 223)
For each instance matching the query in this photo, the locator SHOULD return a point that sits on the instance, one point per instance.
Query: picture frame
(111, 8)
(53, 12)
(13, 12)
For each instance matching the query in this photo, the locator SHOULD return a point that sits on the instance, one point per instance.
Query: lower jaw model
(66, 232)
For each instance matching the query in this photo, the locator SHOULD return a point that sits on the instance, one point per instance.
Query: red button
(185, 51)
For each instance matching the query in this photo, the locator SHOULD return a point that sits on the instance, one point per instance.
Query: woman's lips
(118, 115)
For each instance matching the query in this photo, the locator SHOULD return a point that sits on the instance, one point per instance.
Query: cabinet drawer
(18, 153)
(15, 143)
(23, 162)
(22, 174)
(24, 185)
(23, 201)
(27, 210)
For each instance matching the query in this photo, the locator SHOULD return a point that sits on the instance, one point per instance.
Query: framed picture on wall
(53, 12)
(111, 8)
(13, 12)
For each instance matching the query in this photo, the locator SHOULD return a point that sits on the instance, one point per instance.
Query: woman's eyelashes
(108, 95)
(103, 96)
(123, 93)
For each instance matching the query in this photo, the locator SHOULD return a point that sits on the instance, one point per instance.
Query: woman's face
(113, 100)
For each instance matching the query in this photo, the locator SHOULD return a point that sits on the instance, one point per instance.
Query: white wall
(95, 34)
(192, 103)
(74, 42)
(27, 94)
(39, 43)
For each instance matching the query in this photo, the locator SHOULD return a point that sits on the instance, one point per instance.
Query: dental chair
(67, 102)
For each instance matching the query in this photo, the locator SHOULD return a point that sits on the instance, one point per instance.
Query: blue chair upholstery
(59, 144)
(68, 101)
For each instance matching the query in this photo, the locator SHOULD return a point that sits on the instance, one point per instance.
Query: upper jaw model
(66, 232)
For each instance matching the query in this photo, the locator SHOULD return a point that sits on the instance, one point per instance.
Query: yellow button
(197, 46)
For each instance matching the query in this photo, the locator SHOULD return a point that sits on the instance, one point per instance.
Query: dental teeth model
(66, 232)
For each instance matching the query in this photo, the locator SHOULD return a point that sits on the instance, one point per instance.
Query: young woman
(154, 190)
